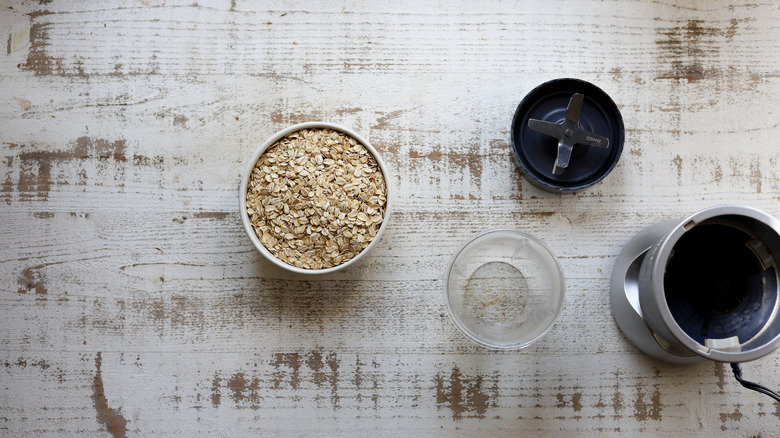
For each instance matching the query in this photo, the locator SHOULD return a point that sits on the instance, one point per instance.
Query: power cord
(752, 385)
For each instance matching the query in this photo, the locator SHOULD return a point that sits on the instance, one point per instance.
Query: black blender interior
(715, 285)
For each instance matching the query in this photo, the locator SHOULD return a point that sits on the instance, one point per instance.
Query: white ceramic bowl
(245, 183)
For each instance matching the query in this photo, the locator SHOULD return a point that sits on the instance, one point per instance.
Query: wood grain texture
(132, 303)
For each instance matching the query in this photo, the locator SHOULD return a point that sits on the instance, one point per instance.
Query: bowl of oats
(314, 198)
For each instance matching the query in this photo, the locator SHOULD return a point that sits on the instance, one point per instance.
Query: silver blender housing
(705, 287)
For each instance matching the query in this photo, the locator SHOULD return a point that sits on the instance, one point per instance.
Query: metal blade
(547, 128)
(562, 161)
(591, 139)
(574, 109)
(569, 133)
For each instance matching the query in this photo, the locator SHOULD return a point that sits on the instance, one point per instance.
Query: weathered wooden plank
(133, 304)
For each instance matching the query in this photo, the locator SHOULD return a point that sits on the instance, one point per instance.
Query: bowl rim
(249, 167)
(470, 334)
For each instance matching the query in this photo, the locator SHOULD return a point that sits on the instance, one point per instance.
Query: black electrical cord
(751, 385)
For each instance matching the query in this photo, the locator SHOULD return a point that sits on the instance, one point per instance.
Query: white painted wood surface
(132, 303)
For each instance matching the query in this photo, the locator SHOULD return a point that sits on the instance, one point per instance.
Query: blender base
(624, 298)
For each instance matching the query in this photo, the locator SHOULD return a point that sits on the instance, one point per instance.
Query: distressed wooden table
(133, 304)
